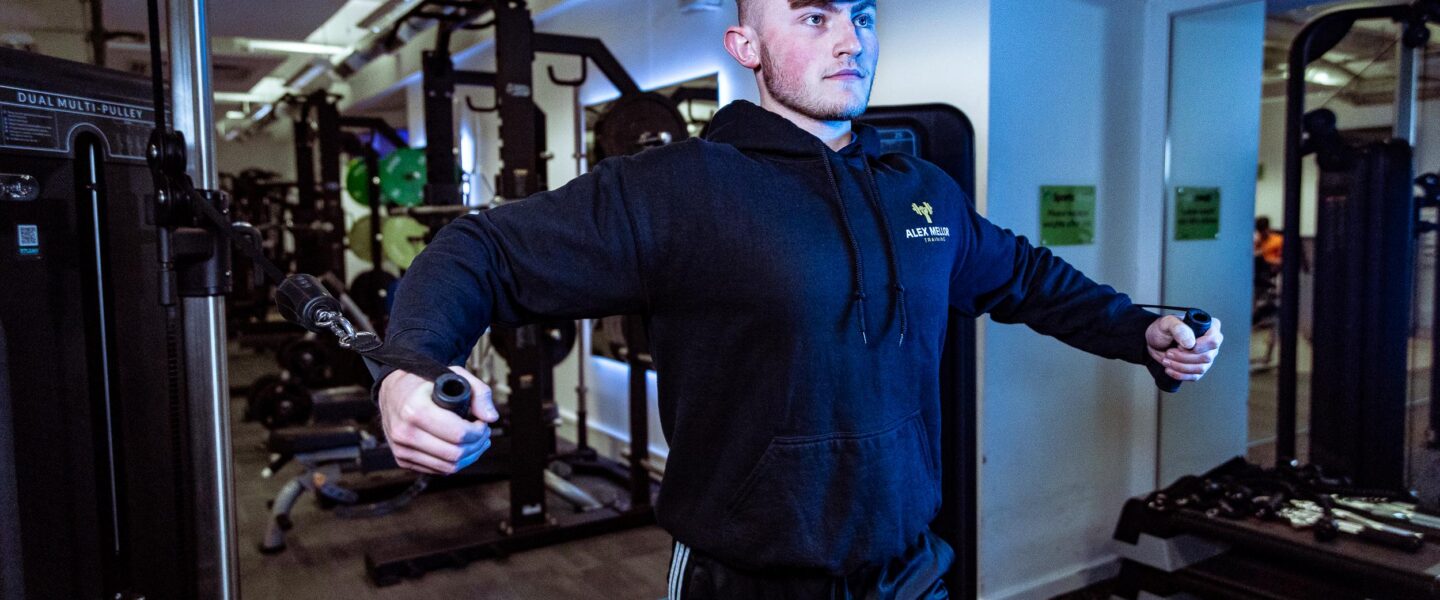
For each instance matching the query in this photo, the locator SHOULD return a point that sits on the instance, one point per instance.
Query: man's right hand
(430, 439)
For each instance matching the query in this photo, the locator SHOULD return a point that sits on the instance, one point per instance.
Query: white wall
(1060, 426)
(271, 149)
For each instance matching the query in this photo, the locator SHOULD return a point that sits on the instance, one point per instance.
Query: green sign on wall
(1067, 215)
(1197, 213)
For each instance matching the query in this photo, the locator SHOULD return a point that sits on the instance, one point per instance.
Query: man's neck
(835, 134)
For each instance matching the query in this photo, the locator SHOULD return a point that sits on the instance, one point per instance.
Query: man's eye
(864, 21)
(815, 19)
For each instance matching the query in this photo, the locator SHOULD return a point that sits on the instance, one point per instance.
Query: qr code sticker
(29, 235)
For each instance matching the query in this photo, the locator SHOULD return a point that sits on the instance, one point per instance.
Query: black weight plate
(252, 405)
(637, 122)
(371, 292)
(559, 338)
(281, 403)
(307, 360)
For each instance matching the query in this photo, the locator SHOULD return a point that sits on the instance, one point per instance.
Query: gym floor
(1263, 390)
(325, 554)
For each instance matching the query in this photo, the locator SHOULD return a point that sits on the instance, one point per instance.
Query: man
(797, 284)
(1268, 245)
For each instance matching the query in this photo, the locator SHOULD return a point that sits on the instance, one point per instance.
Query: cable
(157, 78)
(1356, 77)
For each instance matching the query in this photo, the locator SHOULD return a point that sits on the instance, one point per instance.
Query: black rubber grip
(452, 393)
(301, 298)
(1199, 321)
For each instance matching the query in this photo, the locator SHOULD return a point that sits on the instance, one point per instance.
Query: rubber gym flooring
(325, 557)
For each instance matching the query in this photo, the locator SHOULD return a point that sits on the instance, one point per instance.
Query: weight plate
(637, 122)
(371, 290)
(253, 409)
(307, 360)
(358, 238)
(357, 178)
(403, 238)
(282, 403)
(402, 176)
(557, 339)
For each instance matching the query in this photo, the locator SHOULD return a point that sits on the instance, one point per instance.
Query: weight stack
(1364, 263)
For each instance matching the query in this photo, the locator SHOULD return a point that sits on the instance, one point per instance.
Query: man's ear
(740, 42)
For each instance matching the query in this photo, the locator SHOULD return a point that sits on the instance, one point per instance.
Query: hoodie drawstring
(859, 262)
(891, 250)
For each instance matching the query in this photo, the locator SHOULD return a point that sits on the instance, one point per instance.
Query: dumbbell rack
(1185, 551)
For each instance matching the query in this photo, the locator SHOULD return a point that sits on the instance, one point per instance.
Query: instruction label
(1067, 215)
(1197, 213)
(48, 122)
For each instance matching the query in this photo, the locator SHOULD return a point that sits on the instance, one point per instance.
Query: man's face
(818, 58)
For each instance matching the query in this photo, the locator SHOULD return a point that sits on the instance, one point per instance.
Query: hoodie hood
(754, 130)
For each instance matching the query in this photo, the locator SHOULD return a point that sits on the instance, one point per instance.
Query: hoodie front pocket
(836, 501)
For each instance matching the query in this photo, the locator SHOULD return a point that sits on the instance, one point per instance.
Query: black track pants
(915, 576)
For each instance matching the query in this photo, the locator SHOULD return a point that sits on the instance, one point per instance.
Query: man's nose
(848, 43)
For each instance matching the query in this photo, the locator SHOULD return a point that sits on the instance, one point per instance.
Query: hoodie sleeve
(1002, 274)
(564, 254)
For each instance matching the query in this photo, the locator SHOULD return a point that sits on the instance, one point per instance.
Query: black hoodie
(797, 300)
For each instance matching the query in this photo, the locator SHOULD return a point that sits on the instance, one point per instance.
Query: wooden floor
(325, 557)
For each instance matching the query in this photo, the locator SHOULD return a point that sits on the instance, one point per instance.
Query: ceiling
(60, 27)
(1360, 70)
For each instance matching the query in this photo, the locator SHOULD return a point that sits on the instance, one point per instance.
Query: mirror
(1212, 144)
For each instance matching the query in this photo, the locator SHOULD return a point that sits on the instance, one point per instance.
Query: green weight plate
(358, 238)
(356, 178)
(404, 238)
(402, 176)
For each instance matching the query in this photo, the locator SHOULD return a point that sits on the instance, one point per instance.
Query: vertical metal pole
(98, 35)
(1407, 97)
(1407, 91)
(204, 321)
(1289, 322)
(587, 326)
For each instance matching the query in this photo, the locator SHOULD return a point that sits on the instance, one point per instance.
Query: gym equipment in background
(636, 122)
(530, 523)
(1364, 263)
(96, 449)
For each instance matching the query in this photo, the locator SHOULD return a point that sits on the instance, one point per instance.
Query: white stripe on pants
(678, 560)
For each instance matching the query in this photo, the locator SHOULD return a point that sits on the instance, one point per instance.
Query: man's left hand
(1189, 358)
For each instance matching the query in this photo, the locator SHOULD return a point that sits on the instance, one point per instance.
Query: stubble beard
(790, 91)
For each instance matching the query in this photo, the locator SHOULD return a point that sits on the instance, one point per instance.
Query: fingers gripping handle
(1199, 322)
(305, 302)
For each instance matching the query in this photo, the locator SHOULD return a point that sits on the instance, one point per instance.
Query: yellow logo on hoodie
(923, 210)
(929, 234)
